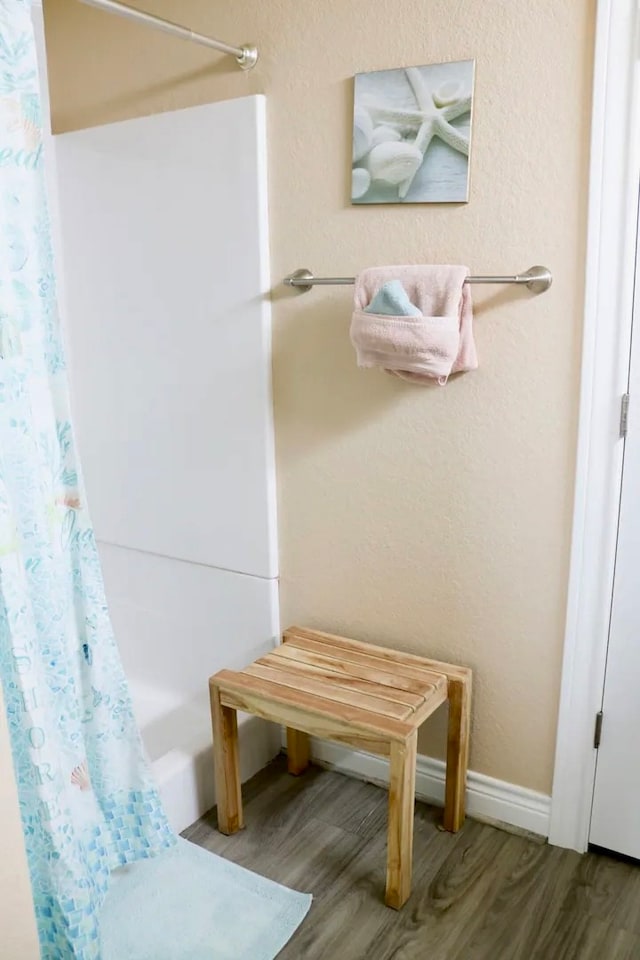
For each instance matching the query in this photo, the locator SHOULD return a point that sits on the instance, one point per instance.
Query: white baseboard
(487, 799)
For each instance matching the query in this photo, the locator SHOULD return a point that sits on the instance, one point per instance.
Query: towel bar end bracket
(301, 279)
(537, 279)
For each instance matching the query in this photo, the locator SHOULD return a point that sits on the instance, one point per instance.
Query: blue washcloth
(393, 300)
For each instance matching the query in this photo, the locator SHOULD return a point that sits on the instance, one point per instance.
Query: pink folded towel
(414, 347)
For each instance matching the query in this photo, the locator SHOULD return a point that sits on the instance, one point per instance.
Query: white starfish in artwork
(433, 116)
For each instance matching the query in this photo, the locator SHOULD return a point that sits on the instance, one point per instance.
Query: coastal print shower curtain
(88, 804)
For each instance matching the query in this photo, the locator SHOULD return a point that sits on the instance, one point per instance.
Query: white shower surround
(164, 242)
(177, 623)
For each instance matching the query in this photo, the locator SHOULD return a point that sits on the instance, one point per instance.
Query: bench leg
(297, 751)
(227, 768)
(457, 752)
(402, 786)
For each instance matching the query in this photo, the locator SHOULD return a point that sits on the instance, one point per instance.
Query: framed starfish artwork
(412, 134)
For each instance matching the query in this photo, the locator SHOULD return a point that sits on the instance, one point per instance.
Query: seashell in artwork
(384, 134)
(80, 776)
(362, 133)
(394, 162)
(447, 93)
(360, 182)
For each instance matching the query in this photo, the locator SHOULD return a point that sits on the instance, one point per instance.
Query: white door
(615, 820)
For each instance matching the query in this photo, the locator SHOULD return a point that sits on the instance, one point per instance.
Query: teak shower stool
(366, 696)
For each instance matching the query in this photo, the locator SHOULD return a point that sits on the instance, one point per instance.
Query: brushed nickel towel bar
(536, 279)
(246, 56)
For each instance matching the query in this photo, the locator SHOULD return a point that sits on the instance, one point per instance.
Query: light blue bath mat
(189, 904)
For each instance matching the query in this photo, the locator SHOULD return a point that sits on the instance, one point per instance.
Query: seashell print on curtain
(87, 800)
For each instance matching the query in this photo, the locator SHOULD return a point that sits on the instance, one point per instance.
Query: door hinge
(624, 415)
(597, 735)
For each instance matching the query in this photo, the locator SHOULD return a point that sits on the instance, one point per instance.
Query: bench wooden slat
(326, 688)
(340, 718)
(374, 681)
(429, 679)
(380, 653)
(307, 724)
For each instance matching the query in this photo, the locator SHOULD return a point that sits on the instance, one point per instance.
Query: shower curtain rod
(246, 55)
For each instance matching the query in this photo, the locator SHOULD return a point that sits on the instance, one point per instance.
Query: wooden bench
(369, 697)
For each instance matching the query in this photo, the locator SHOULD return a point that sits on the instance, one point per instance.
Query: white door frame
(610, 264)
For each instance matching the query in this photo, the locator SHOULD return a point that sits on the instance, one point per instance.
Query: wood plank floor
(481, 894)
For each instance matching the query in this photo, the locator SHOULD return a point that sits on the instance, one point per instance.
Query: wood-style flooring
(481, 894)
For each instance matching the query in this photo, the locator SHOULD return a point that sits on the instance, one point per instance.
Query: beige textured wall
(437, 520)
(18, 938)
